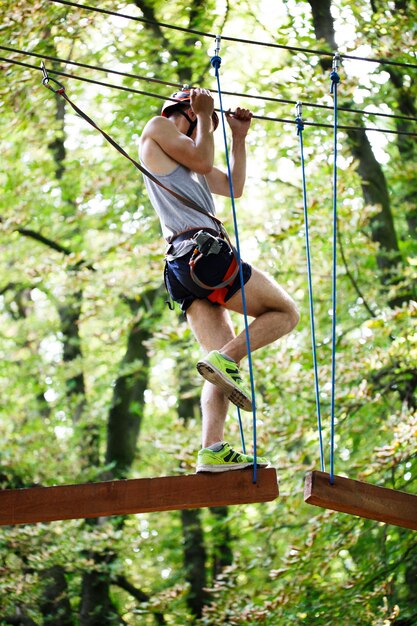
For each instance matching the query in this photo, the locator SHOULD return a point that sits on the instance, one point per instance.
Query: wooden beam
(143, 495)
(359, 498)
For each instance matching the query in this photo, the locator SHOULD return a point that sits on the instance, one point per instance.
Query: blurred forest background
(98, 376)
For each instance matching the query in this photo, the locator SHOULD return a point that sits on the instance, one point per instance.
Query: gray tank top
(176, 217)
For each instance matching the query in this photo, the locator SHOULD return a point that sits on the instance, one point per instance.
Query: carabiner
(334, 76)
(46, 79)
(336, 61)
(217, 50)
(216, 60)
(299, 117)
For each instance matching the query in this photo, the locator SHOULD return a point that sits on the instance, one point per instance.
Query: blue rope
(300, 128)
(335, 79)
(216, 62)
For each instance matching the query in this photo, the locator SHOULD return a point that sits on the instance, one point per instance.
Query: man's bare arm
(218, 180)
(197, 154)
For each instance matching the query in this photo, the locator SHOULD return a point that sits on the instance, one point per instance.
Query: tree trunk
(374, 187)
(55, 605)
(406, 145)
(19, 619)
(69, 313)
(375, 193)
(195, 554)
(96, 608)
(222, 540)
(124, 422)
(126, 413)
(194, 561)
(323, 22)
(197, 8)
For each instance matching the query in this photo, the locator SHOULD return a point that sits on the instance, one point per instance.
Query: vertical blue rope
(333, 89)
(300, 128)
(216, 62)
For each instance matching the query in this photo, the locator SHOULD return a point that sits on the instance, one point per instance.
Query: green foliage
(81, 253)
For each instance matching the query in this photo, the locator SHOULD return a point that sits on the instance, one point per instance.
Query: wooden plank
(143, 495)
(359, 498)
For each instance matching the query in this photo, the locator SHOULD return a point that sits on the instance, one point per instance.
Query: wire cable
(200, 33)
(256, 117)
(228, 93)
(91, 67)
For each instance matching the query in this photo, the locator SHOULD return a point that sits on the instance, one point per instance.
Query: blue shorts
(211, 270)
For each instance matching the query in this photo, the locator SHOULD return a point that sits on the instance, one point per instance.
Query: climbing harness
(208, 244)
(216, 62)
(335, 79)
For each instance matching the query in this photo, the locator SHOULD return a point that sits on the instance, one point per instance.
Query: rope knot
(300, 125)
(335, 78)
(216, 61)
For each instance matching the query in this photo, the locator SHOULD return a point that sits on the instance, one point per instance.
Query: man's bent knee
(288, 307)
(294, 315)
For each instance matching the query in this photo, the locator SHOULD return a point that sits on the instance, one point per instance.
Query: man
(177, 147)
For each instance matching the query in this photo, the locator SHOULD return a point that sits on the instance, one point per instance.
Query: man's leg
(212, 328)
(275, 315)
(274, 311)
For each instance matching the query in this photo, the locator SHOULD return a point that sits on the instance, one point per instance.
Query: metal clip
(46, 80)
(216, 60)
(217, 49)
(336, 61)
(299, 119)
(334, 76)
(45, 74)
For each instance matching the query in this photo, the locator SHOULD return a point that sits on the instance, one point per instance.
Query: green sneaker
(225, 374)
(225, 459)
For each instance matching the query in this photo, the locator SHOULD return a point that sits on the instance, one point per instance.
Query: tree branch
(27, 232)
(351, 277)
(32, 234)
(138, 594)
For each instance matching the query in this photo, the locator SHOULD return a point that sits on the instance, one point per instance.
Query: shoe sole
(216, 376)
(215, 469)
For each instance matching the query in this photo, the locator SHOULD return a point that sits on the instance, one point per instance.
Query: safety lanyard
(187, 201)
